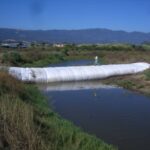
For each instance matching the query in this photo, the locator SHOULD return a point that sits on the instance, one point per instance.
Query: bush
(15, 58)
(5, 58)
(126, 84)
(147, 74)
(12, 58)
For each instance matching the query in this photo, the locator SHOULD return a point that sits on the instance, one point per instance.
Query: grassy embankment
(27, 123)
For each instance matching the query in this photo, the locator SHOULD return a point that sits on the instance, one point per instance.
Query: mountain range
(83, 36)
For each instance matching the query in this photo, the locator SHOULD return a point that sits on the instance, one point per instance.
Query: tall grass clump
(17, 129)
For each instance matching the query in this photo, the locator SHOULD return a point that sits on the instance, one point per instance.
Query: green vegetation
(147, 74)
(42, 55)
(30, 58)
(126, 84)
(146, 46)
(27, 123)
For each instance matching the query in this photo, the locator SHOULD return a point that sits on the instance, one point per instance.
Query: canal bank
(25, 116)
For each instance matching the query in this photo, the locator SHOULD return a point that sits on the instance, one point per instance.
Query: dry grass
(9, 85)
(17, 129)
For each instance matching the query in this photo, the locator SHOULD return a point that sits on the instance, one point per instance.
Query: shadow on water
(117, 116)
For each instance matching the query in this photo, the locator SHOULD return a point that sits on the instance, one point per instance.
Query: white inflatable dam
(75, 73)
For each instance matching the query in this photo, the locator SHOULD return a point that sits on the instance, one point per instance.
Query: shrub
(13, 58)
(126, 84)
(5, 58)
(147, 74)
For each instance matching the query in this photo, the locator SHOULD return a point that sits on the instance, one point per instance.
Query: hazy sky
(129, 15)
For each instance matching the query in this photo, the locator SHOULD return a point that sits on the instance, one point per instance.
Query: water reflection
(72, 86)
(116, 115)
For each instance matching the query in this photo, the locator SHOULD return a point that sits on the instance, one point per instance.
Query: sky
(128, 15)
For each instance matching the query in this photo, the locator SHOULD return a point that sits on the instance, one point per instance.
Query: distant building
(14, 44)
(58, 45)
(24, 44)
(9, 45)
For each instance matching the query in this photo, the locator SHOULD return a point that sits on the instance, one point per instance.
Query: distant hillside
(91, 36)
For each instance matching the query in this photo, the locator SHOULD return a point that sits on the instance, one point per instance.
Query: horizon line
(96, 28)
